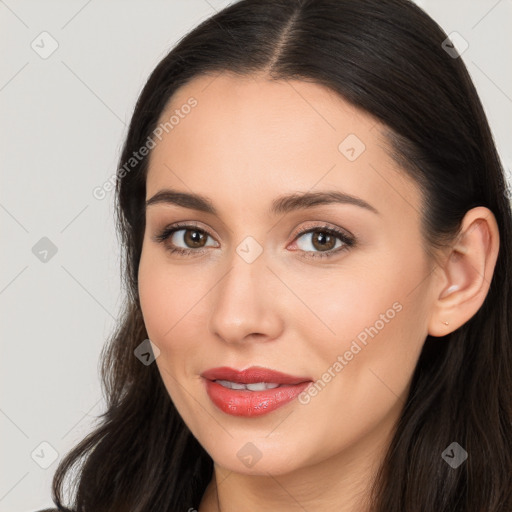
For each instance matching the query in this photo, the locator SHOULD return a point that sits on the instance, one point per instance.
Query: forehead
(262, 137)
(276, 113)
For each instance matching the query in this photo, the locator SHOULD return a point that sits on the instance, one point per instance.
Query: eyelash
(346, 239)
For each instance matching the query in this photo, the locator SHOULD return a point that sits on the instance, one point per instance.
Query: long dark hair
(385, 57)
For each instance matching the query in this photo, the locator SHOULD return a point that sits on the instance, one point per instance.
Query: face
(333, 290)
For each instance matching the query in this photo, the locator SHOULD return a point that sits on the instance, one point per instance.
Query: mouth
(251, 392)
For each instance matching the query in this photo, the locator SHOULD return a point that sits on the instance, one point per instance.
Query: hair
(386, 58)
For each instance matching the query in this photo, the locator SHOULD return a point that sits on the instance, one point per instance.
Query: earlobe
(467, 272)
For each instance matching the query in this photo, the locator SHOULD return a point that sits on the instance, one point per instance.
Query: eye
(318, 241)
(323, 241)
(184, 239)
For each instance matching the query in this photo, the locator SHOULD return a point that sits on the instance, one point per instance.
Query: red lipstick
(251, 392)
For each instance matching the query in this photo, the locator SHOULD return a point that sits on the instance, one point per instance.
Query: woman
(318, 246)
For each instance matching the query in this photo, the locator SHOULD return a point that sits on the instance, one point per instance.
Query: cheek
(377, 302)
(168, 310)
(379, 316)
(164, 296)
(172, 299)
(378, 296)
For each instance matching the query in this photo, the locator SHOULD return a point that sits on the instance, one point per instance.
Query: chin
(251, 455)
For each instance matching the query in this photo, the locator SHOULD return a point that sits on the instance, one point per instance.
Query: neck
(341, 483)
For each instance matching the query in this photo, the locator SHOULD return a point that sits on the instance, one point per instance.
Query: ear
(465, 272)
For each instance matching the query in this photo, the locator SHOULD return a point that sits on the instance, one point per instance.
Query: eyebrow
(281, 205)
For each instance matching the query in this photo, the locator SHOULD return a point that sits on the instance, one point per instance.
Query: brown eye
(194, 238)
(319, 240)
(184, 239)
(322, 240)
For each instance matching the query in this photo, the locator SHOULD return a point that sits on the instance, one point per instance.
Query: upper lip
(252, 375)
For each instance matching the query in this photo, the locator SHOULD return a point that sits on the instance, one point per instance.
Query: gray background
(62, 126)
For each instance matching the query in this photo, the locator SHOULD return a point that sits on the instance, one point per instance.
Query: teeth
(261, 386)
(257, 386)
(230, 385)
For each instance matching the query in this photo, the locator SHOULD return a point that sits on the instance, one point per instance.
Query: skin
(248, 141)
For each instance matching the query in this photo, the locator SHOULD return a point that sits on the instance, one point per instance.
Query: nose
(245, 303)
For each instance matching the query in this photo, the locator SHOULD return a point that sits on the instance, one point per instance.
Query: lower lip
(252, 403)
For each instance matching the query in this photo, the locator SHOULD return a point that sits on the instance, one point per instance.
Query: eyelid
(319, 226)
(178, 226)
(347, 239)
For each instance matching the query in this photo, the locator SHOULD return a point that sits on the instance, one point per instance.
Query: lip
(252, 403)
